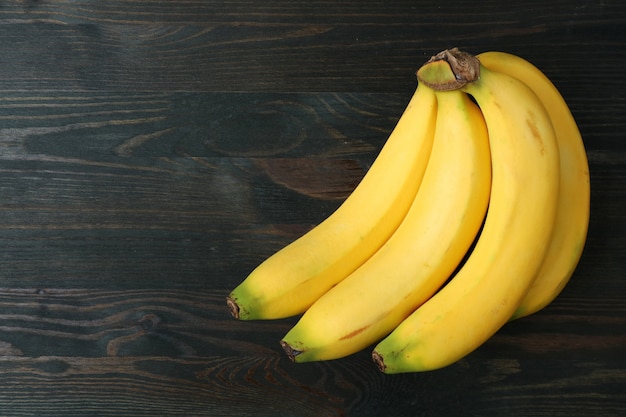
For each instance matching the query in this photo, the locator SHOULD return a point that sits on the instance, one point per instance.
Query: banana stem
(450, 69)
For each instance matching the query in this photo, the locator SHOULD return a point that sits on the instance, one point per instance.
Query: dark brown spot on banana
(531, 121)
(353, 333)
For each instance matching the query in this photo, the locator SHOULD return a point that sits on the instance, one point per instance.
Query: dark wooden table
(153, 152)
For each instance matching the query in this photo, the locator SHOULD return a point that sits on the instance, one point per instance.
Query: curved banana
(419, 257)
(572, 219)
(487, 289)
(289, 281)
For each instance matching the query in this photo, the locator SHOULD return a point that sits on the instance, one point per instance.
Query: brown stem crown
(449, 70)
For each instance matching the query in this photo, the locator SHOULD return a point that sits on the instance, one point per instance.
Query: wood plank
(172, 352)
(281, 46)
(196, 323)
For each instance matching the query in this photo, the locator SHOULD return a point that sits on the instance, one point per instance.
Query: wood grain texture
(176, 352)
(152, 153)
(287, 46)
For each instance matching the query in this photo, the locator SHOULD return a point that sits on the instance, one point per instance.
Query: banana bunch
(474, 213)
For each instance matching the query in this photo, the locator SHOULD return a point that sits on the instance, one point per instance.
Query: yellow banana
(289, 281)
(488, 288)
(572, 219)
(418, 258)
